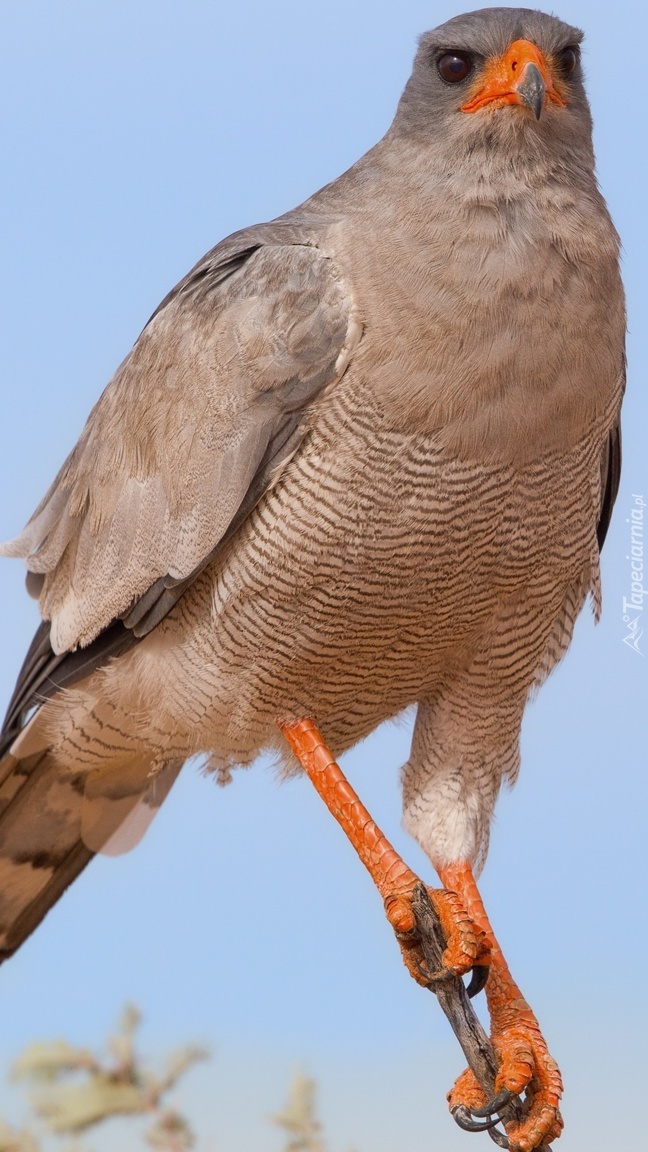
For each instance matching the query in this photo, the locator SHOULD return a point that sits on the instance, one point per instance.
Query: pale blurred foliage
(11, 1140)
(298, 1117)
(72, 1090)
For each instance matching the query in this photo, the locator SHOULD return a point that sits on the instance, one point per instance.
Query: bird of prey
(362, 457)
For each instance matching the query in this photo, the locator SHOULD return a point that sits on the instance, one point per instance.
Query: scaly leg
(391, 875)
(525, 1062)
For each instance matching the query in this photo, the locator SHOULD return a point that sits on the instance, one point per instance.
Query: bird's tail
(41, 848)
(54, 817)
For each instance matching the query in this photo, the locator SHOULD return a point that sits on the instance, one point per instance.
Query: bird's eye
(567, 60)
(453, 67)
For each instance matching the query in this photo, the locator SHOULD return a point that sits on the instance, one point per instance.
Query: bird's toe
(526, 1065)
(470, 1108)
(466, 945)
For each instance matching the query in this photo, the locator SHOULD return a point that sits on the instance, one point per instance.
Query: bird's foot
(525, 1065)
(524, 1062)
(466, 945)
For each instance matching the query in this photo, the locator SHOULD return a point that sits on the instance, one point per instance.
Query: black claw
(500, 1139)
(478, 979)
(463, 1117)
(428, 976)
(501, 1100)
(434, 977)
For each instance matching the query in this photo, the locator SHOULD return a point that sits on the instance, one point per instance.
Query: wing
(195, 426)
(610, 477)
(187, 435)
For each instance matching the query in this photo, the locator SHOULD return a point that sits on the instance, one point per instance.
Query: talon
(501, 1100)
(524, 1065)
(478, 979)
(436, 977)
(431, 977)
(463, 1118)
(426, 976)
(500, 1139)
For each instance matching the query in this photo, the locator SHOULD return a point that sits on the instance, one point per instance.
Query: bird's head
(499, 73)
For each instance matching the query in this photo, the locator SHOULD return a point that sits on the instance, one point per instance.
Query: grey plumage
(357, 460)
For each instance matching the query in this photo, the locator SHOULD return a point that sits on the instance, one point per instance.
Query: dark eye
(454, 66)
(567, 60)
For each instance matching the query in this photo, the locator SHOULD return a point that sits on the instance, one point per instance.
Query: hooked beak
(521, 76)
(532, 89)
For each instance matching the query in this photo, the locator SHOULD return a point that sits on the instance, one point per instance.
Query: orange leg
(525, 1062)
(391, 875)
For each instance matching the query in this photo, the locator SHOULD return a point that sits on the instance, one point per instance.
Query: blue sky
(135, 136)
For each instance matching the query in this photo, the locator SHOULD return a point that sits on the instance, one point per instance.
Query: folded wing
(191, 431)
(195, 426)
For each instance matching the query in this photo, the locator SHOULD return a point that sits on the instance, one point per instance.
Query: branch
(454, 1001)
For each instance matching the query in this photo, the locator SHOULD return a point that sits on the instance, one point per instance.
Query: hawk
(361, 457)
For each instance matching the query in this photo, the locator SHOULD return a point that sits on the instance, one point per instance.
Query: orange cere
(502, 76)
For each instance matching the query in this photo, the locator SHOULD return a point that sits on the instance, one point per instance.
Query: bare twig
(454, 1001)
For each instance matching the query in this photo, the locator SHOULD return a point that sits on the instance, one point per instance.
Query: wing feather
(190, 431)
(610, 478)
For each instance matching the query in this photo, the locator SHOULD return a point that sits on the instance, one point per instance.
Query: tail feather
(41, 850)
(55, 817)
(34, 906)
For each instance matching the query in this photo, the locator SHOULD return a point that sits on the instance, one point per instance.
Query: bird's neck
(500, 269)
